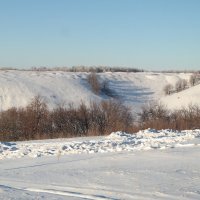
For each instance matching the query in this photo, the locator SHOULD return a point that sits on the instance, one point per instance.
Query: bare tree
(168, 89)
(183, 84)
(94, 82)
(36, 115)
(180, 85)
(193, 79)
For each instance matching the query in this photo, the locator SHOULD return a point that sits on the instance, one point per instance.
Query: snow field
(169, 174)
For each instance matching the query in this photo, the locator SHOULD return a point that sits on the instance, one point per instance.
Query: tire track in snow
(71, 194)
(82, 193)
(136, 196)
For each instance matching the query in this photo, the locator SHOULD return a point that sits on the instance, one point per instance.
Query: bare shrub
(98, 121)
(154, 115)
(26, 123)
(36, 118)
(183, 84)
(118, 116)
(10, 124)
(180, 85)
(98, 86)
(60, 121)
(193, 79)
(159, 117)
(94, 83)
(36, 121)
(168, 89)
(82, 120)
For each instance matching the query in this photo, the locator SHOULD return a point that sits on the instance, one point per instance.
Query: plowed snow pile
(115, 142)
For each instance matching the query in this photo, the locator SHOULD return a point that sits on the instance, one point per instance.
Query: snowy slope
(17, 88)
(183, 98)
(169, 170)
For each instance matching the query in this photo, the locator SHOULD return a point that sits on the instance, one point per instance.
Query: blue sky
(148, 34)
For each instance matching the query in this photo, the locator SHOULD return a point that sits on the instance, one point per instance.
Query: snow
(115, 142)
(17, 88)
(183, 99)
(151, 164)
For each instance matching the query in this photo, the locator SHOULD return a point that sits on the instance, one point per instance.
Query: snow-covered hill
(183, 98)
(134, 89)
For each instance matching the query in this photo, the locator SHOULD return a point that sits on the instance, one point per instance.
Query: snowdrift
(115, 142)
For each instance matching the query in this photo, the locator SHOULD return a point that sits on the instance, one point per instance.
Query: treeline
(95, 69)
(182, 84)
(176, 71)
(158, 116)
(36, 121)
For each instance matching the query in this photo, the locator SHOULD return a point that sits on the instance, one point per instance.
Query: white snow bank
(117, 141)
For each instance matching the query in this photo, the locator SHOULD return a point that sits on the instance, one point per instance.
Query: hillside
(17, 88)
(183, 98)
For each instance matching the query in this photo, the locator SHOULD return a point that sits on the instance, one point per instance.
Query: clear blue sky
(149, 34)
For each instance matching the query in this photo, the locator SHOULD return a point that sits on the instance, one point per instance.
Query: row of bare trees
(182, 84)
(36, 121)
(157, 116)
(194, 79)
(82, 68)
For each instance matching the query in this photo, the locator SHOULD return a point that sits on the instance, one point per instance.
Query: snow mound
(115, 142)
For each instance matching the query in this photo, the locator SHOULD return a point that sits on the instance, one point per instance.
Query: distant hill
(17, 88)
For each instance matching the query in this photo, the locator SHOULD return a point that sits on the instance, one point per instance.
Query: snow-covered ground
(115, 142)
(148, 165)
(183, 99)
(17, 88)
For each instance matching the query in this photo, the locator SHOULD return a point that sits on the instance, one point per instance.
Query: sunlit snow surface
(17, 88)
(115, 142)
(148, 165)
